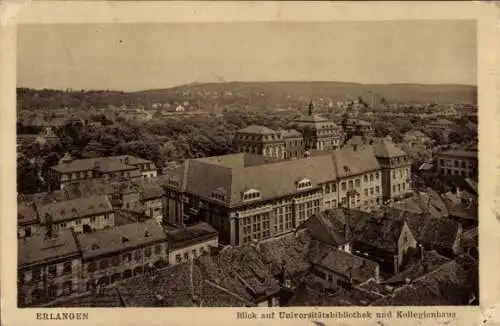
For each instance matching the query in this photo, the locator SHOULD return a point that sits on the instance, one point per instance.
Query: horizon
(138, 57)
(244, 82)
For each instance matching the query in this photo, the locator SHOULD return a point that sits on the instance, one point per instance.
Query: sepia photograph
(247, 164)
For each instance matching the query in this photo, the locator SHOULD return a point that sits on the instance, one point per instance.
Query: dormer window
(219, 194)
(173, 183)
(251, 194)
(95, 246)
(124, 239)
(304, 184)
(146, 234)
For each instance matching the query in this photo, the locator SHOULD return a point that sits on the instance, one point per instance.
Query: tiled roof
(442, 121)
(383, 234)
(290, 133)
(120, 238)
(440, 232)
(26, 214)
(387, 149)
(113, 162)
(423, 202)
(256, 129)
(451, 284)
(184, 236)
(311, 118)
(350, 266)
(329, 226)
(247, 265)
(460, 153)
(75, 208)
(106, 298)
(39, 249)
(229, 173)
(289, 251)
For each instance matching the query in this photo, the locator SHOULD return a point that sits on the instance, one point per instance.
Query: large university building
(312, 133)
(246, 198)
(458, 162)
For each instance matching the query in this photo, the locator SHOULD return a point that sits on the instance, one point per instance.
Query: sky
(132, 57)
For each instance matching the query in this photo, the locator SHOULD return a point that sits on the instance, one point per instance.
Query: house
(459, 163)
(460, 276)
(151, 200)
(387, 242)
(48, 266)
(444, 236)
(341, 269)
(118, 253)
(123, 166)
(187, 243)
(416, 137)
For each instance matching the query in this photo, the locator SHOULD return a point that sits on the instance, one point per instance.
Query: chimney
(49, 227)
(421, 253)
(355, 147)
(396, 264)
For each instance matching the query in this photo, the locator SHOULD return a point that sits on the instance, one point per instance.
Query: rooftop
(259, 130)
(40, 249)
(124, 237)
(183, 236)
(350, 266)
(107, 164)
(75, 208)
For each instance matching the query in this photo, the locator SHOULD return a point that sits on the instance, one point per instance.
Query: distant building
(294, 144)
(260, 140)
(441, 125)
(318, 132)
(416, 137)
(458, 162)
(358, 127)
(125, 166)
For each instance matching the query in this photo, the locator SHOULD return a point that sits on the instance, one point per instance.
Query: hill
(254, 95)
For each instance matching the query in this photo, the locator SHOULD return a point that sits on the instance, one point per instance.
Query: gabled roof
(75, 208)
(40, 249)
(383, 234)
(256, 129)
(120, 238)
(115, 163)
(387, 149)
(350, 266)
(441, 232)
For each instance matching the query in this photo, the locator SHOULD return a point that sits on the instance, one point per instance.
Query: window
(147, 252)
(67, 287)
(327, 189)
(371, 191)
(351, 185)
(377, 175)
(371, 177)
(91, 266)
(127, 258)
(334, 187)
(36, 274)
(158, 249)
(358, 183)
(186, 256)
(103, 264)
(377, 189)
(404, 186)
(115, 260)
(394, 188)
(178, 258)
(343, 186)
(67, 268)
(138, 255)
(78, 222)
(366, 192)
(365, 178)
(53, 271)
(27, 231)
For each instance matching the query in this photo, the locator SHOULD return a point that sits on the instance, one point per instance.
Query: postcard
(179, 163)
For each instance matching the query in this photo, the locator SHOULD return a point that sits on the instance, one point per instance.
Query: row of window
(126, 258)
(462, 173)
(456, 163)
(194, 253)
(399, 187)
(372, 191)
(400, 173)
(52, 271)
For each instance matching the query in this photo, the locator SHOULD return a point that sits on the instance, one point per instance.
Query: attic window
(101, 205)
(124, 239)
(95, 246)
(218, 196)
(146, 234)
(73, 210)
(251, 194)
(63, 212)
(304, 184)
(173, 183)
(347, 169)
(91, 206)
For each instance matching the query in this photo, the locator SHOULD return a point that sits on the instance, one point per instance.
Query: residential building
(387, 242)
(118, 253)
(358, 127)
(151, 200)
(416, 137)
(124, 166)
(81, 214)
(49, 266)
(441, 125)
(245, 197)
(190, 242)
(458, 162)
